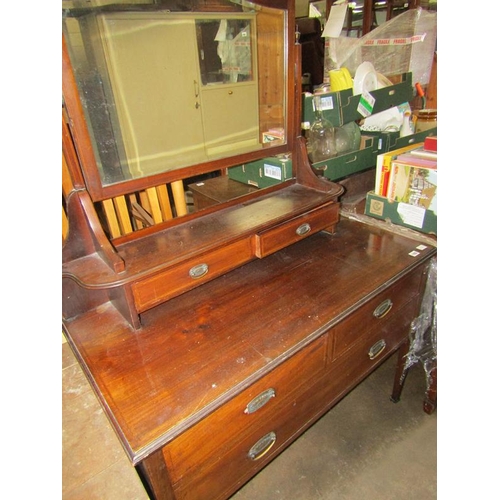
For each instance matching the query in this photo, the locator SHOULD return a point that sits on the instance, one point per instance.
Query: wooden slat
(154, 204)
(144, 201)
(140, 215)
(179, 198)
(133, 200)
(64, 224)
(112, 220)
(120, 204)
(164, 200)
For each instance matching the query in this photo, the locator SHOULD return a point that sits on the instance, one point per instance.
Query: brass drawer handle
(198, 271)
(382, 309)
(377, 348)
(303, 229)
(260, 400)
(262, 446)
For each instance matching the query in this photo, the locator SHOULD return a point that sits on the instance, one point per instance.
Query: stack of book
(409, 175)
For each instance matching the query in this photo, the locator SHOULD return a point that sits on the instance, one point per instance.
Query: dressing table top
(196, 351)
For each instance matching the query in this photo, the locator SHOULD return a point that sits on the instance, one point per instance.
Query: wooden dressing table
(222, 378)
(215, 339)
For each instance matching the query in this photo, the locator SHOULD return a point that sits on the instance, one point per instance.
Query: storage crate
(389, 141)
(339, 167)
(263, 173)
(342, 107)
(402, 214)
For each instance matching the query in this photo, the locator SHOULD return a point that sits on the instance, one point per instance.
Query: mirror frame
(81, 137)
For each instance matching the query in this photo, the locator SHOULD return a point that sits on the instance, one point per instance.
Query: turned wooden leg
(401, 372)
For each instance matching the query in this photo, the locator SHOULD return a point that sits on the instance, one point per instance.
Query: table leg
(401, 372)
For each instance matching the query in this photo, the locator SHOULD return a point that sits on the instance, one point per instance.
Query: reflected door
(231, 119)
(157, 91)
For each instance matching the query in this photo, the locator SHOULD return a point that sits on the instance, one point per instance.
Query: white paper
(335, 23)
(411, 215)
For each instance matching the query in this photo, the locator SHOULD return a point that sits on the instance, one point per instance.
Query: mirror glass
(171, 84)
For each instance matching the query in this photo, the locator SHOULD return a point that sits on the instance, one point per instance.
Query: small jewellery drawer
(278, 237)
(239, 417)
(376, 312)
(178, 279)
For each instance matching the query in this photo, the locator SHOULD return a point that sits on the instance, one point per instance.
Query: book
(417, 161)
(431, 143)
(383, 167)
(423, 153)
(413, 185)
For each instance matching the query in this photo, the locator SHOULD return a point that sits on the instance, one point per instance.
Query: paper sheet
(335, 23)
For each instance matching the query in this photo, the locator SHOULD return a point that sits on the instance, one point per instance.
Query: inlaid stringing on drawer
(376, 312)
(178, 279)
(296, 229)
(372, 347)
(238, 418)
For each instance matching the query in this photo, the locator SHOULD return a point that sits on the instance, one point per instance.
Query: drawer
(272, 240)
(372, 348)
(375, 313)
(178, 279)
(235, 463)
(236, 420)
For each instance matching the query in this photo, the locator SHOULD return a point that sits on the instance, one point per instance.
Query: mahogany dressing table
(213, 340)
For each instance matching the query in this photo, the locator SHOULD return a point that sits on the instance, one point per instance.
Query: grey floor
(365, 448)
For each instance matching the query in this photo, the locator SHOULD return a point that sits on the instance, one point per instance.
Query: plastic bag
(404, 44)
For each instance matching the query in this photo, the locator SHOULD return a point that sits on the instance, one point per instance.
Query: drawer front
(272, 240)
(165, 285)
(375, 313)
(233, 463)
(236, 463)
(372, 348)
(236, 420)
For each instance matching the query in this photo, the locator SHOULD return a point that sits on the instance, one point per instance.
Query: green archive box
(343, 107)
(402, 214)
(342, 166)
(389, 141)
(263, 173)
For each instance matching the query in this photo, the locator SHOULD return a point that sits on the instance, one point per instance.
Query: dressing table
(214, 339)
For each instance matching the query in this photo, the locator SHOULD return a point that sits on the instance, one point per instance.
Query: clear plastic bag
(404, 44)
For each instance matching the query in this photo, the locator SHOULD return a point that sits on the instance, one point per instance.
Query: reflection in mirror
(163, 88)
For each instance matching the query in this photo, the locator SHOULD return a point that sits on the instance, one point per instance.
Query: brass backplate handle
(377, 349)
(383, 308)
(262, 446)
(303, 229)
(198, 271)
(260, 400)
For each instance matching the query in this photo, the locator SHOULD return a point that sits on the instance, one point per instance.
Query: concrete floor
(366, 447)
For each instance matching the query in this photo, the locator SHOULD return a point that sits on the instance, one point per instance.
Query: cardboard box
(343, 107)
(389, 141)
(263, 173)
(356, 161)
(402, 214)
